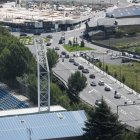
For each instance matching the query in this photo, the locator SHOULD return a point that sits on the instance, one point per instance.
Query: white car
(117, 96)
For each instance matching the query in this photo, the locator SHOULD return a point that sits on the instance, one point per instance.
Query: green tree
(70, 43)
(76, 83)
(123, 79)
(100, 64)
(138, 134)
(14, 61)
(129, 136)
(103, 125)
(82, 43)
(106, 68)
(52, 56)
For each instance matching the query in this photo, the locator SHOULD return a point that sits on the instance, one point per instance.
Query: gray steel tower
(43, 74)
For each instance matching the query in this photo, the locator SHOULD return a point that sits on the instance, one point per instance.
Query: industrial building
(65, 125)
(43, 18)
(126, 12)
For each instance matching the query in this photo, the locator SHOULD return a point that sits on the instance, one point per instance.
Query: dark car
(37, 33)
(92, 76)
(85, 71)
(56, 48)
(93, 83)
(48, 44)
(71, 60)
(80, 67)
(60, 41)
(23, 34)
(76, 64)
(49, 36)
(63, 53)
(67, 56)
(107, 88)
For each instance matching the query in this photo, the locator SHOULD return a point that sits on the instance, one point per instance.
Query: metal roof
(125, 12)
(43, 126)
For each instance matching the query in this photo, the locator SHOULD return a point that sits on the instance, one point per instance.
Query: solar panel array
(132, 11)
(8, 101)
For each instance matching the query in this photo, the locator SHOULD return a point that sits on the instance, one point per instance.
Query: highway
(127, 114)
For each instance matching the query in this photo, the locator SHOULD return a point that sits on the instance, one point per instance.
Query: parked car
(49, 36)
(93, 83)
(71, 60)
(37, 33)
(80, 67)
(23, 34)
(107, 88)
(92, 76)
(101, 83)
(85, 70)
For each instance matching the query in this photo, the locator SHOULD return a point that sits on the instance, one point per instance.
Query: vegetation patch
(76, 48)
(26, 40)
(126, 73)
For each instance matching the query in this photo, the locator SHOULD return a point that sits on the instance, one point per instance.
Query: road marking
(108, 86)
(93, 90)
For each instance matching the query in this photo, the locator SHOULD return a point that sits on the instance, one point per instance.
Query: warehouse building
(65, 125)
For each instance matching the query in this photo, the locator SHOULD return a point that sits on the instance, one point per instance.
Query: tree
(70, 43)
(52, 56)
(82, 43)
(138, 134)
(115, 75)
(129, 136)
(100, 64)
(15, 60)
(123, 79)
(106, 68)
(76, 83)
(103, 125)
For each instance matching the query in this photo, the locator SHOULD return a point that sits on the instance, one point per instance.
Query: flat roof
(43, 126)
(32, 110)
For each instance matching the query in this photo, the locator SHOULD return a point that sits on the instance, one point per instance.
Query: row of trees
(74, 42)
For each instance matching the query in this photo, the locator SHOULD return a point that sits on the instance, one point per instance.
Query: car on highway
(67, 56)
(48, 44)
(117, 95)
(71, 60)
(101, 83)
(57, 48)
(98, 102)
(76, 63)
(92, 76)
(63, 53)
(49, 36)
(80, 67)
(93, 83)
(107, 88)
(85, 70)
(61, 41)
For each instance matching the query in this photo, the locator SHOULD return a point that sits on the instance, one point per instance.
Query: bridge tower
(43, 74)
